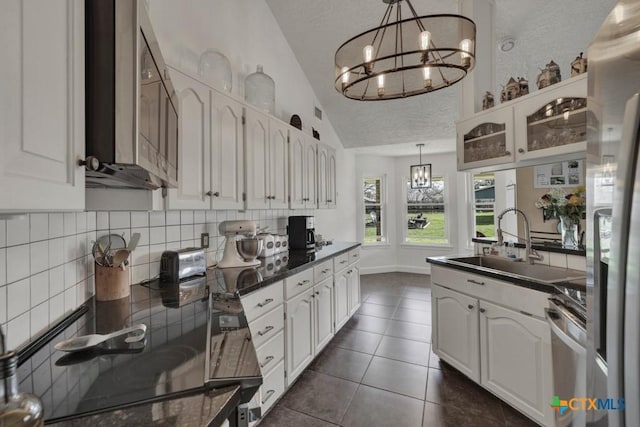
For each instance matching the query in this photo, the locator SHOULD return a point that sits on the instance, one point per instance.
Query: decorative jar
(215, 69)
(260, 91)
(569, 232)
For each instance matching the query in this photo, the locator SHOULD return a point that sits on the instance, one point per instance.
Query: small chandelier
(420, 174)
(407, 57)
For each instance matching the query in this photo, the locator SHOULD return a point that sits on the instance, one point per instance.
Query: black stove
(195, 341)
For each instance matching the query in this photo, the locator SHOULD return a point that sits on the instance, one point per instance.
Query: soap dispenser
(16, 409)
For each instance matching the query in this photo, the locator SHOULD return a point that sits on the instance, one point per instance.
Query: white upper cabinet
(267, 161)
(211, 157)
(302, 170)
(547, 125)
(227, 153)
(326, 176)
(194, 105)
(43, 116)
(332, 193)
(486, 139)
(552, 122)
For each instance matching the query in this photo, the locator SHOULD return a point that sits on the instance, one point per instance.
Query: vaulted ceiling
(541, 29)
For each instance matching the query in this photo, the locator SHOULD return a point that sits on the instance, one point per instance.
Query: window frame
(474, 206)
(447, 211)
(384, 237)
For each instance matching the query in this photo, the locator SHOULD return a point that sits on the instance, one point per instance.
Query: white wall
(396, 255)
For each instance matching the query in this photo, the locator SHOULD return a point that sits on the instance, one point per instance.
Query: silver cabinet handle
(329, 201)
(267, 360)
(317, 292)
(344, 261)
(265, 302)
(325, 270)
(470, 306)
(475, 282)
(355, 255)
(268, 396)
(265, 331)
(520, 150)
(211, 193)
(507, 153)
(482, 310)
(304, 282)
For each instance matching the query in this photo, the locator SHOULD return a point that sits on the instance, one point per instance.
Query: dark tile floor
(379, 371)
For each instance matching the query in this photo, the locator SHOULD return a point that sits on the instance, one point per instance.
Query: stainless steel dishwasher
(569, 353)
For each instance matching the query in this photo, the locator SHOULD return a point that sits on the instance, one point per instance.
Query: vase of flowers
(568, 208)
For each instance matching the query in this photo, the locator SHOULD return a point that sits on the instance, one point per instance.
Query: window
(374, 210)
(484, 192)
(426, 214)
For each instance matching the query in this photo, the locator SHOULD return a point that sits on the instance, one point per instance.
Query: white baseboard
(396, 268)
(413, 269)
(378, 269)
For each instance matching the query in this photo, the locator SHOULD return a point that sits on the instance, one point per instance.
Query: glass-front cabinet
(486, 139)
(553, 121)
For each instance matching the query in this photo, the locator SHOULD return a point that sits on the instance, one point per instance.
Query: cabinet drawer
(262, 301)
(354, 255)
(500, 292)
(300, 282)
(341, 261)
(270, 353)
(322, 271)
(272, 387)
(267, 326)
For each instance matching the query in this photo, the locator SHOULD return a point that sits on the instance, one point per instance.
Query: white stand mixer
(233, 231)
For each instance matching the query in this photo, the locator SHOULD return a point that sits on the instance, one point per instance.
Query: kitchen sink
(538, 272)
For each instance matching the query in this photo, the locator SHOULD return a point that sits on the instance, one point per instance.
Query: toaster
(183, 263)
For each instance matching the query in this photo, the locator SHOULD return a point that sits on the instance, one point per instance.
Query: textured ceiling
(542, 30)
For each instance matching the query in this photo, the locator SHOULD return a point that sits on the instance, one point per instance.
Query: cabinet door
(486, 139)
(516, 360)
(299, 329)
(227, 153)
(297, 170)
(42, 120)
(323, 299)
(341, 300)
(323, 162)
(455, 330)
(552, 122)
(353, 283)
(279, 165)
(257, 159)
(194, 106)
(311, 174)
(331, 178)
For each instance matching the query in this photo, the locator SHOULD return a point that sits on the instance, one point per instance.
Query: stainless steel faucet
(532, 255)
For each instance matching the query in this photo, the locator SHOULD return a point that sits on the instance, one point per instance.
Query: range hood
(131, 107)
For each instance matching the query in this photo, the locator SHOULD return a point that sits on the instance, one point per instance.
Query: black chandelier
(420, 174)
(405, 57)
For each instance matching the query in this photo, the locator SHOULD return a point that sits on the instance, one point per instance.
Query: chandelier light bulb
(425, 40)
(367, 52)
(381, 85)
(345, 75)
(465, 55)
(426, 72)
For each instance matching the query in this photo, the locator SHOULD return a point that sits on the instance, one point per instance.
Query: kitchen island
(199, 360)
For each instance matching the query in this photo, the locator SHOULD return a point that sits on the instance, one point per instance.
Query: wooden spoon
(120, 257)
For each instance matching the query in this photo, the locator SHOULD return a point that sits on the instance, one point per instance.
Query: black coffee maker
(302, 233)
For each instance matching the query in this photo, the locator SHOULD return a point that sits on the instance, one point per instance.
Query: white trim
(378, 269)
(375, 245)
(383, 209)
(427, 245)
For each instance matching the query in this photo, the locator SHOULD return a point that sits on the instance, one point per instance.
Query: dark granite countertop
(168, 304)
(242, 281)
(578, 283)
(549, 247)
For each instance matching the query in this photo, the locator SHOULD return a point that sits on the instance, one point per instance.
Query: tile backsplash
(46, 266)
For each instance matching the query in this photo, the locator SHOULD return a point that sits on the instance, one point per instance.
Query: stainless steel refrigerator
(613, 218)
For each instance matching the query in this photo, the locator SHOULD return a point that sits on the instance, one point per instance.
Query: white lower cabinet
(323, 306)
(341, 299)
(516, 359)
(273, 385)
(504, 348)
(299, 330)
(455, 330)
(353, 286)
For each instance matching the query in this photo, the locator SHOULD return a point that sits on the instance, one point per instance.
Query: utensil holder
(112, 283)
